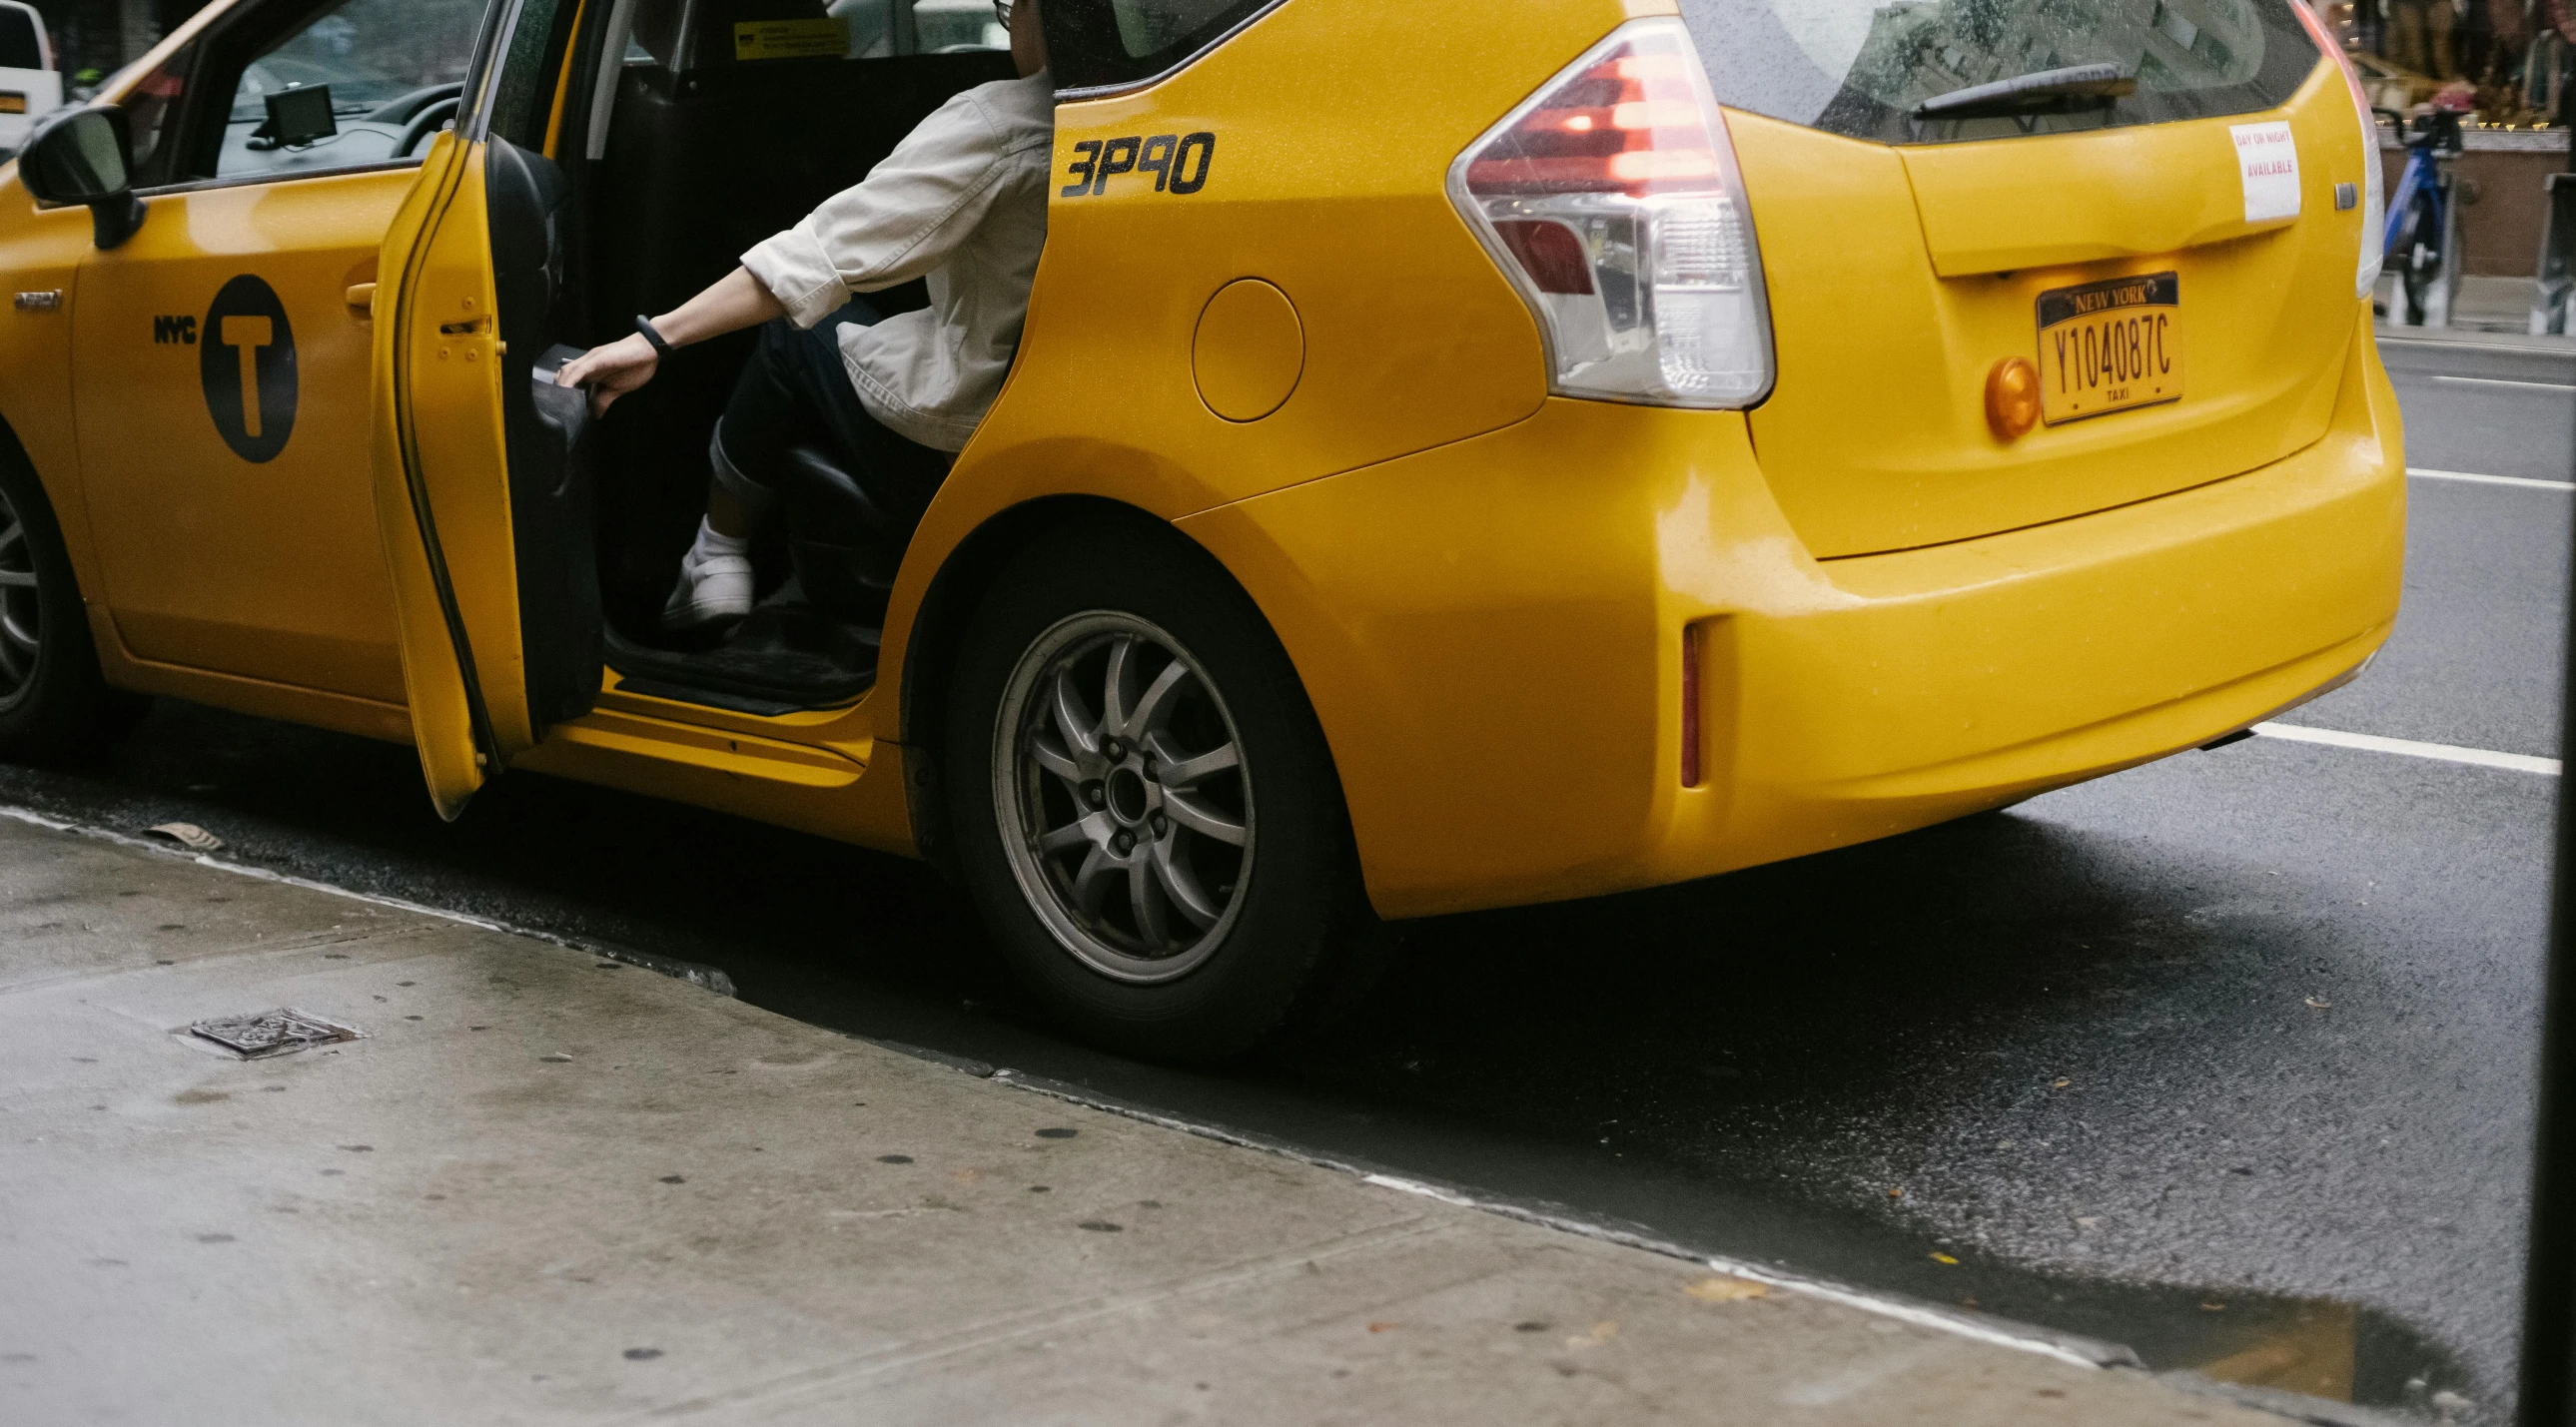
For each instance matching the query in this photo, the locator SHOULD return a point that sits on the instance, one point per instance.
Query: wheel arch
(63, 505)
(68, 709)
(938, 633)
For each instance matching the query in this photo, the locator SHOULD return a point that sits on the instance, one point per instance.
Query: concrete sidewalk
(2484, 306)
(548, 1188)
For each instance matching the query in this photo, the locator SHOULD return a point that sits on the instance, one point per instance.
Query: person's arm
(735, 302)
(913, 210)
(904, 219)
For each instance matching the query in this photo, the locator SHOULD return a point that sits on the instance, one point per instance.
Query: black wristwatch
(644, 325)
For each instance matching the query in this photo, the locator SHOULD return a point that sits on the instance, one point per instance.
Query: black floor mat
(781, 658)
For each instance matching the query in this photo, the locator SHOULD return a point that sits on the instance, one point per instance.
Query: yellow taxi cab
(1460, 454)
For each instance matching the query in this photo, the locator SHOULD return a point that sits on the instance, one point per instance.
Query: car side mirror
(85, 156)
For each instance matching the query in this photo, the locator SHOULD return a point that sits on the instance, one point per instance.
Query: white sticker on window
(2268, 160)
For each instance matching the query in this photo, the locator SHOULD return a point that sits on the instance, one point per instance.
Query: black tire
(1296, 933)
(54, 706)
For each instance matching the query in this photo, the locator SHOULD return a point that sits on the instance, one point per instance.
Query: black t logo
(246, 357)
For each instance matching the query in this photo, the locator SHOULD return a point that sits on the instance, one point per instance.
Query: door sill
(767, 684)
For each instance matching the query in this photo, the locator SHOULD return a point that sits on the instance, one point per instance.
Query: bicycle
(2418, 235)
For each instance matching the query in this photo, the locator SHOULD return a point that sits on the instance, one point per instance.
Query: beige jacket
(961, 201)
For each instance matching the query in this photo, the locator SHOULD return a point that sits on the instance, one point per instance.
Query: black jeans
(795, 392)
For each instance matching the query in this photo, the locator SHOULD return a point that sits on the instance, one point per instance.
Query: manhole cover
(265, 1033)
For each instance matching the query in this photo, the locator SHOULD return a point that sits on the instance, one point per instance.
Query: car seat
(844, 549)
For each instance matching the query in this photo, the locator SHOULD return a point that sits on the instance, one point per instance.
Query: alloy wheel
(1122, 795)
(20, 623)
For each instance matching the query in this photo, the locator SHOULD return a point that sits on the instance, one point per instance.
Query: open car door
(482, 475)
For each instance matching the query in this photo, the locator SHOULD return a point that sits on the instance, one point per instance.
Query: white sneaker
(713, 589)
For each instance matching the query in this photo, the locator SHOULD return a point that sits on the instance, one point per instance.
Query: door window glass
(531, 60)
(1149, 27)
(394, 69)
(152, 110)
(1103, 44)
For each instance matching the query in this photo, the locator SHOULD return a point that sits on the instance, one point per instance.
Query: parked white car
(30, 87)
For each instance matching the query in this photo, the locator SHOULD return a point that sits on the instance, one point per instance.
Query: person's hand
(612, 371)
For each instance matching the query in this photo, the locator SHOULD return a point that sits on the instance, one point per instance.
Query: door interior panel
(553, 494)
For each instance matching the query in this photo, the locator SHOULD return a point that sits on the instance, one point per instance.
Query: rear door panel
(1898, 278)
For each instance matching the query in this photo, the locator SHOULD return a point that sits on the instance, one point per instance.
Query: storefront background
(2508, 60)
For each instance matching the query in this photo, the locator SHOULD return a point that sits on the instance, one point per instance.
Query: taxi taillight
(2374, 183)
(1613, 201)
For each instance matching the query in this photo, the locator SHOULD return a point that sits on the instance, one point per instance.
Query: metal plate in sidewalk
(266, 1033)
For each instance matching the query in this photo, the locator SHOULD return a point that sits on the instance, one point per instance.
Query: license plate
(2109, 346)
(13, 103)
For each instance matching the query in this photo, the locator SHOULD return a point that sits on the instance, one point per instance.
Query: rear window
(1936, 71)
(1114, 44)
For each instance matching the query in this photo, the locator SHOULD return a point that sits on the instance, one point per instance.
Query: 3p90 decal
(1178, 162)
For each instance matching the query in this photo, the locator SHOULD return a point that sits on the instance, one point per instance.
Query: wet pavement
(2227, 1058)
(488, 1182)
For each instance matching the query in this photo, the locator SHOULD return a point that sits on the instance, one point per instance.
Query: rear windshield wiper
(2051, 91)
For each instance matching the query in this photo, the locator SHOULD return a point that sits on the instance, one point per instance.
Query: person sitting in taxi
(961, 201)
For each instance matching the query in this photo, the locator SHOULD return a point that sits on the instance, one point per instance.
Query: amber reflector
(1690, 706)
(2012, 398)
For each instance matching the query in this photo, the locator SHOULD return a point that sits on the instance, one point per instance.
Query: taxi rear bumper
(1493, 634)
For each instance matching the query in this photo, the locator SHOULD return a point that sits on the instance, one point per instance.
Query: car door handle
(362, 300)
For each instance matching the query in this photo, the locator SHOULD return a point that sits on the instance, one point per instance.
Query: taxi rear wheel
(53, 703)
(1143, 803)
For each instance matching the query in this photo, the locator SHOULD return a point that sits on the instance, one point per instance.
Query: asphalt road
(2228, 1058)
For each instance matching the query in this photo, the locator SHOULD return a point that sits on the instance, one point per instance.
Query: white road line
(2409, 748)
(2438, 344)
(2533, 483)
(2501, 381)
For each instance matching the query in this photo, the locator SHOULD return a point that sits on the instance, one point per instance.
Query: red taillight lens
(1622, 122)
(1550, 254)
(1612, 199)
